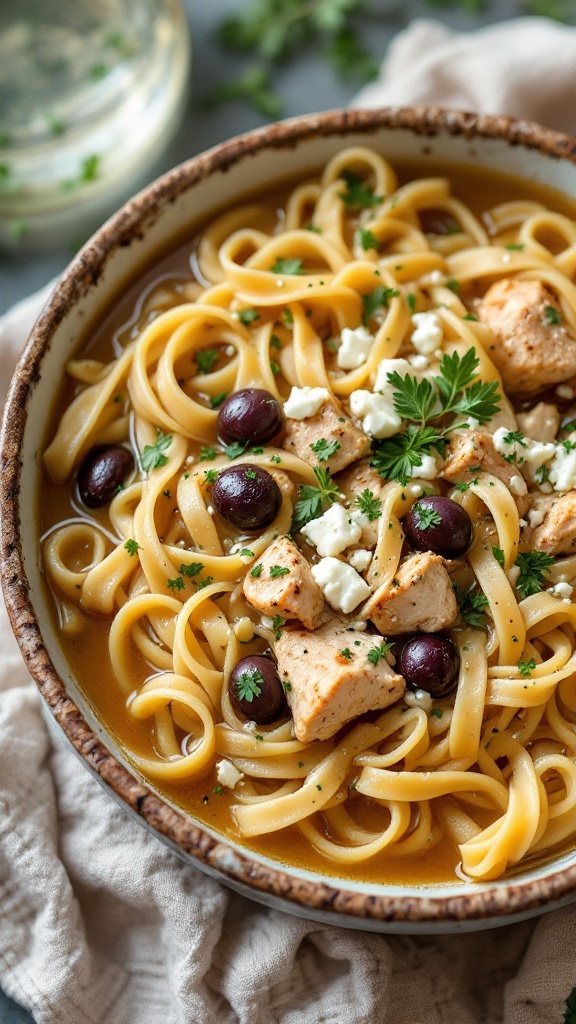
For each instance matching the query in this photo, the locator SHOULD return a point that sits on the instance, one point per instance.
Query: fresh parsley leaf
(376, 653)
(275, 367)
(346, 653)
(499, 556)
(287, 317)
(552, 315)
(153, 454)
(246, 553)
(256, 572)
(278, 570)
(314, 499)
(205, 582)
(378, 299)
(358, 195)
(207, 454)
(396, 457)
(514, 246)
(514, 436)
(235, 450)
(249, 684)
(369, 505)
(131, 546)
(287, 686)
(275, 341)
(453, 285)
(413, 399)
(206, 359)
(289, 266)
(436, 712)
(167, 493)
(470, 605)
(481, 400)
(526, 667)
(461, 486)
(211, 476)
(248, 316)
(470, 316)
(217, 400)
(191, 570)
(426, 516)
(533, 566)
(367, 240)
(250, 474)
(177, 584)
(325, 449)
(411, 300)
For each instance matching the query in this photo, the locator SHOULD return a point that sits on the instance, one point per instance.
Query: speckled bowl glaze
(144, 226)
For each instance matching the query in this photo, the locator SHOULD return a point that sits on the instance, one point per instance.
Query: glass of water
(91, 92)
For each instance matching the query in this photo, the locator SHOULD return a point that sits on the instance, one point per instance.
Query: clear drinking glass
(91, 92)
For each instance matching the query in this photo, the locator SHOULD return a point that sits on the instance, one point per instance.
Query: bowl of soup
(289, 516)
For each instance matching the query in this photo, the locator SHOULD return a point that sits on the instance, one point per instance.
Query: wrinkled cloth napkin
(101, 924)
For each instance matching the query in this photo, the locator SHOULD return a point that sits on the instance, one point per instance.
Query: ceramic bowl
(145, 225)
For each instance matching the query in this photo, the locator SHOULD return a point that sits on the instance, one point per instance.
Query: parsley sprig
(313, 500)
(153, 454)
(533, 566)
(249, 684)
(359, 195)
(369, 505)
(471, 605)
(376, 653)
(325, 449)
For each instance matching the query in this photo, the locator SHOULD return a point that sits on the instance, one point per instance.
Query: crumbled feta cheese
(436, 277)
(341, 585)
(428, 334)
(518, 485)
(563, 590)
(506, 257)
(355, 348)
(537, 453)
(416, 490)
(512, 450)
(304, 402)
(472, 423)
(428, 470)
(419, 362)
(564, 391)
(418, 699)
(360, 559)
(522, 523)
(563, 469)
(359, 517)
(377, 413)
(332, 532)
(535, 517)
(227, 774)
(386, 366)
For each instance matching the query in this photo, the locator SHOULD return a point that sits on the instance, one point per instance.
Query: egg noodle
(493, 765)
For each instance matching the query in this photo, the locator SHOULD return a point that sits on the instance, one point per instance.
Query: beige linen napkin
(101, 924)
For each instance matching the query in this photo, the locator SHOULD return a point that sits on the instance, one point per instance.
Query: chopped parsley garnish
(278, 570)
(131, 546)
(256, 571)
(249, 684)
(207, 454)
(275, 341)
(499, 556)
(436, 712)
(358, 195)
(553, 315)
(277, 622)
(287, 686)
(211, 476)
(177, 584)
(313, 499)
(533, 566)
(290, 266)
(376, 653)
(397, 456)
(471, 605)
(206, 359)
(218, 790)
(191, 570)
(378, 299)
(235, 450)
(246, 553)
(205, 582)
(470, 316)
(514, 246)
(250, 475)
(324, 449)
(426, 517)
(346, 653)
(526, 667)
(369, 505)
(248, 316)
(368, 240)
(287, 316)
(153, 454)
(275, 367)
(411, 300)
(167, 493)
(275, 458)
(217, 400)
(463, 487)
(453, 285)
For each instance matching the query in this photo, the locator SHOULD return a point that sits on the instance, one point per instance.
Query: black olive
(438, 524)
(102, 474)
(435, 221)
(256, 692)
(430, 663)
(247, 496)
(250, 416)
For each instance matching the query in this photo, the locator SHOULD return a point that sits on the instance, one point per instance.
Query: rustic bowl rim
(495, 902)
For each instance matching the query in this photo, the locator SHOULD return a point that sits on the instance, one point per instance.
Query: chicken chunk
(534, 349)
(331, 424)
(420, 597)
(473, 451)
(331, 678)
(541, 423)
(360, 477)
(293, 594)
(551, 524)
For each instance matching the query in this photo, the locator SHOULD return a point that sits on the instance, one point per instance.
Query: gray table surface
(306, 85)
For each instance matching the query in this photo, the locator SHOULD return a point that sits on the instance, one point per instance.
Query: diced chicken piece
(420, 597)
(332, 679)
(473, 451)
(551, 524)
(355, 480)
(541, 423)
(332, 425)
(293, 594)
(534, 349)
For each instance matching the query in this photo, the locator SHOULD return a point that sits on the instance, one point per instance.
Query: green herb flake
(275, 341)
(533, 565)
(287, 687)
(325, 449)
(206, 359)
(191, 570)
(152, 456)
(166, 493)
(368, 240)
(375, 300)
(436, 713)
(218, 790)
(131, 546)
(425, 516)
(346, 653)
(256, 571)
(376, 653)
(235, 450)
(246, 553)
(275, 367)
(204, 583)
(471, 605)
(248, 316)
(499, 556)
(249, 684)
(177, 584)
(277, 570)
(287, 266)
(358, 195)
(370, 506)
(313, 500)
(207, 454)
(526, 667)
(514, 246)
(217, 400)
(287, 317)
(411, 300)
(552, 315)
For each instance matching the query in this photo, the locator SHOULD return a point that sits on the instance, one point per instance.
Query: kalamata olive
(256, 692)
(435, 221)
(430, 663)
(247, 496)
(250, 416)
(438, 524)
(102, 473)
